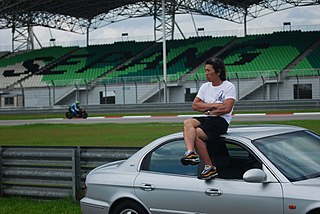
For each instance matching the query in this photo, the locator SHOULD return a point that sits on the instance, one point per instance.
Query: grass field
(88, 135)
(102, 134)
(31, 206)
(85, 135)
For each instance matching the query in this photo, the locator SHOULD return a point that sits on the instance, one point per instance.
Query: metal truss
(83, 16)
(232, 10)
(44, 13)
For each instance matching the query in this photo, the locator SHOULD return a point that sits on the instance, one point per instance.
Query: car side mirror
(255, 176)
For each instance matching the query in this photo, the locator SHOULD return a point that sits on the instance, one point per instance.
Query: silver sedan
(262, 169)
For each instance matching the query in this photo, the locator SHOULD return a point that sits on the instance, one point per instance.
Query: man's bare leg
(209, 171)
(189, 132)
(190, 135)
(201, 147)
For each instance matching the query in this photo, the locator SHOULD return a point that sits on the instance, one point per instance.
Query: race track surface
(162, 119)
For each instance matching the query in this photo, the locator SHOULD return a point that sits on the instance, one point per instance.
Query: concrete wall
(149, 93)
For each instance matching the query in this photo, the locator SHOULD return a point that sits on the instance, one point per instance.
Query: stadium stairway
(101, 79)
(107, 75)
(193, 74)
(301, 57)
(310, 65)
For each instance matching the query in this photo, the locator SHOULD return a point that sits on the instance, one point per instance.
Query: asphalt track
(162, 119)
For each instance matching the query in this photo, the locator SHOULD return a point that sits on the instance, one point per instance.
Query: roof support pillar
(245, 21)
(23, 37)
(88, 34)
(164, 52)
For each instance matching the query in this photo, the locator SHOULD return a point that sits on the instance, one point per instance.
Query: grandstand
(276, 66)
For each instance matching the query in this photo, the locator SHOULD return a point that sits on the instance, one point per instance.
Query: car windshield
(295, 154)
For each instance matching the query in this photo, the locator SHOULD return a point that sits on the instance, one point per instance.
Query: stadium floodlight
(201, 29)
(286, 24)
(125, 36)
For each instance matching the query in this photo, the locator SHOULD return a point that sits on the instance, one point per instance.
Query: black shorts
(213, 127)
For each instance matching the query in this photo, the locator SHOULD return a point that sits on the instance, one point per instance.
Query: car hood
(308, 182)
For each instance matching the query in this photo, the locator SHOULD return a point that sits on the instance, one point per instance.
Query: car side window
(166, 159)
(231, 159)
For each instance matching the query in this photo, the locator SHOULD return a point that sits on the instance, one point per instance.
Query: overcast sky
(308, 18)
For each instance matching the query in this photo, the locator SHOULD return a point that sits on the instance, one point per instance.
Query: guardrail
(52, 172)
(241, 105)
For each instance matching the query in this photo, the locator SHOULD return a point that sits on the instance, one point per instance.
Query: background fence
(169, 107)
(52, 172)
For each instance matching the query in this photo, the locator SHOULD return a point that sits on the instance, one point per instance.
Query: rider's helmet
(77, 102)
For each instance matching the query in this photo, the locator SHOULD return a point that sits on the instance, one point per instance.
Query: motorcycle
(81, 114)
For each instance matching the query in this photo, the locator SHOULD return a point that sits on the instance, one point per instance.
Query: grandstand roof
(75, 8)
(82, 15)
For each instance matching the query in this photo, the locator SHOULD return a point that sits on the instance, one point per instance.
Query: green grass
(85, 135)
(31, 206)
(122, 135)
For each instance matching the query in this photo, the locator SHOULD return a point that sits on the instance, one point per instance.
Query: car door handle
(147, 187)
(213, 192)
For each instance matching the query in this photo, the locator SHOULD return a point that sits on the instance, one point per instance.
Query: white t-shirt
(218, 94)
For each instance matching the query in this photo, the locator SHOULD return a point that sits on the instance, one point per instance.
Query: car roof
(253, 132)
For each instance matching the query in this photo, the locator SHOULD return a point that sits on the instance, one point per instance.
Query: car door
(164, 185)
(236, 196)
(229, 193)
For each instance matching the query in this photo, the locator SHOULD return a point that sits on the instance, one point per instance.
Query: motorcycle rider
(75, 107)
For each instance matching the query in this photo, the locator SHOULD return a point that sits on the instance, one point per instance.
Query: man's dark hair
(219, 67)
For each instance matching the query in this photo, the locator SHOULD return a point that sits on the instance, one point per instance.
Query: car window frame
(145, 163)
